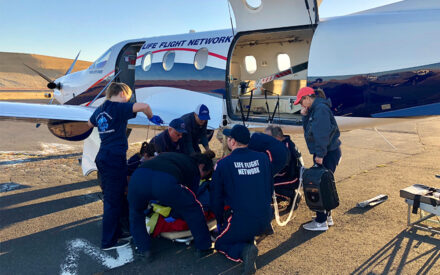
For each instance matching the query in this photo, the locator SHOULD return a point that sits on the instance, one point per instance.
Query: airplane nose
(53, 85)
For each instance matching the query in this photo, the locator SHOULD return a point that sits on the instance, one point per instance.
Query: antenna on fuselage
(230, 17)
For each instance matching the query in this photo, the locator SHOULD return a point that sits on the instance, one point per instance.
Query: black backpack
(320, 189)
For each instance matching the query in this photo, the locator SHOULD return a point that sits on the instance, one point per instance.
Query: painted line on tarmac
(77, 247)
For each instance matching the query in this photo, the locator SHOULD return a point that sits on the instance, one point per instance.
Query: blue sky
(62, 28)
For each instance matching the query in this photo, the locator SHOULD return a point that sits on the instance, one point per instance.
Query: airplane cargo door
(268, 59)
(125, 65)
(269, 14)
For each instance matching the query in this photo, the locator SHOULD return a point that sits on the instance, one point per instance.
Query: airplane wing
(43, 113)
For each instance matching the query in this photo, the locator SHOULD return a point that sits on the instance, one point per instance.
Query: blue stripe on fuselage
(368, 95)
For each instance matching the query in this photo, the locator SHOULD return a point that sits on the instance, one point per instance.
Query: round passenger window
(146, 61)
(201, 58)
(283, 61)
(168, 60)
(250, 63)
(253, 4)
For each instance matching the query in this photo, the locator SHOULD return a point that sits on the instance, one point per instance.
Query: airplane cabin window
(253, 4)
(146, 61)
(250, 63)
(283, 61)
(201, 58)
(168, 60)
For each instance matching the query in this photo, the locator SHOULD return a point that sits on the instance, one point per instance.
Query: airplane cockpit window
(168, 60)
(250, 63)
(101, 61)
(253, 4)
(283, 61)
(201, 58)
(146, 61)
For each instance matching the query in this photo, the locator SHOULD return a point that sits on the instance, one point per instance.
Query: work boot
(203, 253)
(249, 256)
(144, 256)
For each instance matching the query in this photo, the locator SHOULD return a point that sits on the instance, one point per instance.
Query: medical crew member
(287, 180)
(195, 125)
(321, 133)
(146, 152)
(173, 180)
(170, 140)
(277, 152)
(241, 198)
(111, 119)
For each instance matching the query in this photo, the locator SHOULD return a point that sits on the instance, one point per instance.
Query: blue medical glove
(156, 120)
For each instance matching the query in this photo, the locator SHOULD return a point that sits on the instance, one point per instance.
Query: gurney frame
(432, 212)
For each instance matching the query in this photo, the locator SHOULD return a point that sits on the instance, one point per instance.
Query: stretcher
(428, 200)
(185, 236)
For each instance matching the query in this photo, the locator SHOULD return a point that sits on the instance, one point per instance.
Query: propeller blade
(40, 74)
(73, 64)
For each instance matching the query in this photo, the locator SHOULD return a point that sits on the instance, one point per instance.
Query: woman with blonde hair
(111, 118)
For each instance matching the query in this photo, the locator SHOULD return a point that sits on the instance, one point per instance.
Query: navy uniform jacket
(163, 143)
(111, 119)
(243, 182)
(195, 134)
(180, 166)
(278, 153)
(291, 171)
(321, 131)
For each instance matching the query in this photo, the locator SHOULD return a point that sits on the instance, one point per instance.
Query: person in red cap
(321, 133)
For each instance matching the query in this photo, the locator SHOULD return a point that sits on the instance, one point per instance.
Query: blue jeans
(330, 161)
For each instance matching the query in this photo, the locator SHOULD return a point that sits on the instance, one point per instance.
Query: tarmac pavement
(52, 224)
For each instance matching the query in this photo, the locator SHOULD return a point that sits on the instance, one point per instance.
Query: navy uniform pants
(146, 185)
(112, 169)
(330, 161)
(237, 232)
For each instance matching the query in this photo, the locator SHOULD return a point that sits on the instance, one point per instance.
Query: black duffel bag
(320, 189)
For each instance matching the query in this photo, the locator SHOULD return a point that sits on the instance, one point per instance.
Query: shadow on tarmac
(8, 200)
(406, 240)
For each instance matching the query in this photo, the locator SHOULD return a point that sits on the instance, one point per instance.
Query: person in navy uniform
(287, 180)
(111, 119)
(195, 125)
(321, 133)
(147, 151)
(173, 180)
(241, 198)
(170, 140)
(276, 151)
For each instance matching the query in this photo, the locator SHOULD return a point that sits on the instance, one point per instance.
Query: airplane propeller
(51, 83)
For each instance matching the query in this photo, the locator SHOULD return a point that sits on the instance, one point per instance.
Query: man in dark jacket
(173, 179)
(241, 198)
(276, 151)
(196, 133)
(170, 140)
(287, 180)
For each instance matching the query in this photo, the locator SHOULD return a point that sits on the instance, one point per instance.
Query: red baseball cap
(303, 92)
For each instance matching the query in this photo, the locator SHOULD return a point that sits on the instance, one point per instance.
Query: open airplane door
(271, 14)
(268, 59)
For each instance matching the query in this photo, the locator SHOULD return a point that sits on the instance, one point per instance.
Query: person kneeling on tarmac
(287, 180)
(241, 195)
(172, 179)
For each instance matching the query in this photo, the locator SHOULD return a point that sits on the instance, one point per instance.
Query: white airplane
(374, 66)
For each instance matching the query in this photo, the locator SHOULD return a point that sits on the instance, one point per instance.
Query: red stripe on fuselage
(97, 82)
(187, 49)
